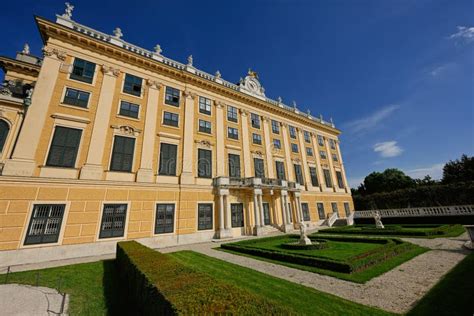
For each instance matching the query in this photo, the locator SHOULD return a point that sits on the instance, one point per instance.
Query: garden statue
(304, 240)
(378, 220)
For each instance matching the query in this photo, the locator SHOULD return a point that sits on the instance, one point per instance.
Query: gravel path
(395, 291)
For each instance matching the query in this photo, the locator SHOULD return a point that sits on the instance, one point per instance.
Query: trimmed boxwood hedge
(157, 284)
(393, 230)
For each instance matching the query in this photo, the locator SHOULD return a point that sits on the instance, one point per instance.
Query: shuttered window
(298, 174)
(83, 70)
(280, 170)
(259, 168)
(113, 221)
(204, 216)
(122, 154)
(64, 147)
(168, 159)
(204, 163)
(45, 224)
(164, 218)
(234, 166)
(305, 211)
(314, 177)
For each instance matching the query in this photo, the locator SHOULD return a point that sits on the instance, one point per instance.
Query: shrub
(157, 284)
(430, 230)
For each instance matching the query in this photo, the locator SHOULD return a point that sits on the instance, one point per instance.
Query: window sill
(128, 117)
(120, 176)
(59, 172)
(83, 82)
(75, 107)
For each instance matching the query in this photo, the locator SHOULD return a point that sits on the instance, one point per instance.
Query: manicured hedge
(394, 230)
(157, 284)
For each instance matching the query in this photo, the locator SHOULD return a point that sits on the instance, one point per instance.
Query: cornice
(10, 64)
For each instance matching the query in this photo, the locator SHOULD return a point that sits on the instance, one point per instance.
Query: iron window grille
(307, 137)
(232, 133)
(327, 178)
(237, 215)
(204, 163)
(234, 166)
(292, 130)
(45, 224)
(294, 148)
(323, 155)
(276, 144)
(205, 216)
(4, 130)
(204, 105)
(172, 96)
(113, 221)
(321, 213)
(132, 85)
(122, 154)
(170, 119)
(129, 109)
(257, 139)
(314, 177)
(164, 222)
(309, 151)
(82, 70)
(231, 113)
(259, 168)
(205, 126)
(64, 147)
(298, 174)
(280, 170)
(76, 98)
(275, 127)
(340, 182)
(255, 119)
(320, 140)
(305, 211)
(167, 159)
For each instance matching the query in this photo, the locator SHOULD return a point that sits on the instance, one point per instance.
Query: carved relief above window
(126, 130)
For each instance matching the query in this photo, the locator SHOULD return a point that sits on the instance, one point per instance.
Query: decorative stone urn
(378, 220)
(470, 231)
(304, 240)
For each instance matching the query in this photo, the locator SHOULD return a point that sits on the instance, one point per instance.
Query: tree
(390, 180)
(459, 170)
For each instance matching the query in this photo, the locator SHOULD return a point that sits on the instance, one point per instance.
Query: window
(172, 96)
(290, 211)
(266, 214)
(231, 113)
(257, 139)
(294, 148)
(322, 153)
(275, 127)
(204, 163)
(321, 213)
(334, 157)
(327, 178)
(320, 140)
(292, 130)
(298, 174)
(255, 119)
(64, 147)
(167, 159)
(132, 85)
(305, 211)
(170, 119)
(334, 207)
(276, 144)
(307, 136)
(4, 129)
(204, 105)
(164, 222)
(204, 216)
(205, 126)
(122, 154)
(234, 166)
(45, 224)
(232, 133)
(76, 97)
(259, 168)
(314, 177)
(309, 151)
(347, 209)
(332, 143)
(280, 170)
(237, 215)
(82, 70)
(113, 221)
(129, 109)
(340, 182)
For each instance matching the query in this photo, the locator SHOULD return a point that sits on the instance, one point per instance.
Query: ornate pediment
(251, 85)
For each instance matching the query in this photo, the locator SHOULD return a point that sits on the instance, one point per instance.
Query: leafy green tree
(459, 170)
(390, 180)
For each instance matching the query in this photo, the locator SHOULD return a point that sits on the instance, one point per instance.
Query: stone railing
(458, 210)
(250, 183)
(332, 219)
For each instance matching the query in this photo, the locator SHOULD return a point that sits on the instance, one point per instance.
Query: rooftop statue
(68, 11)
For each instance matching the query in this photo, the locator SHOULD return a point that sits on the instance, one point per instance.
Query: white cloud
(435, 72)
(464, 32)
(367, 123)
(435, 171)
(388, 149)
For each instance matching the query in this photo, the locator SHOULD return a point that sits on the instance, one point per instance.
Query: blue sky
(396, 76)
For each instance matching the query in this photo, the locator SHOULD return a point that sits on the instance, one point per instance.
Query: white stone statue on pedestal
(378, 220)
(304, 240)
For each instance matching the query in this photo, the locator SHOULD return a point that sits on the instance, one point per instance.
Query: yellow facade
(268, 204)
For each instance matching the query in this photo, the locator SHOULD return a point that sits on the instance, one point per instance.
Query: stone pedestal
(379, 225)
(19, 167)
(470, 232)
(258, 231)
(145, 175)
(287, 228)
(91, 172)
(305, 241)
(225, 233)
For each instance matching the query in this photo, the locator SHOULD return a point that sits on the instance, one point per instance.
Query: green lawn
(403, 230)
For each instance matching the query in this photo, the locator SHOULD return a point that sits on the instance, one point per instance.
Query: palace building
(103, 141)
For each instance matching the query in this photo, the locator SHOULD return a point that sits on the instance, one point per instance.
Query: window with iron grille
(4, 130)
(170, 119)
(280, 170)
(204, 216)
(305, 211)
(275, 127)
(334, 207)
(347, 209)
(257, 139)
(132, 85)
(129, 109)
(82, 70)
(237, 215)
(204, 105)
(334, 157)
(172, 96)
(307, 136)
(255, 119)
(164, 222)
(320, 140)
(259, 168)
(234, 166)
(327, 178)
(340, 182)
(122, 154)
(205, 126)
(322, 153)
(309, 151)
(45, 224)
(332, 143)
(321, 213)
(294, 148)
(231, 113)
(76, 97)
(113, 221)
(232, 133)
(204, 163)
(314, 177)
(298, 174)
(292, 130)
(64, 147)
(276, 144)
(167, 159)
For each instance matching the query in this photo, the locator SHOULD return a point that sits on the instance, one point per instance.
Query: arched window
(4, 129)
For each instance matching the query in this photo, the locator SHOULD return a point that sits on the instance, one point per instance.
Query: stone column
(299, 209)
(262, 213)
(225, 230)
(286, 146)
(343, 171)
(288, 211)
(221, 213)
(145, 173)
(245, 144)
(93, 168)
(319, 170)
(228, 217)
(187, 176)
(302, 144)
(220, 136)
(256, 211)
(23, 161)
(331, 165)
(268, 148)
(283, 210)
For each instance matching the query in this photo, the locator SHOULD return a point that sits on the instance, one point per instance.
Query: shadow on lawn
(115, 298)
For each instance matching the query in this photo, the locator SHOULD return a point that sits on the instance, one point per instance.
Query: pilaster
(268, 148)
(220, 136)
(245, 143)
(187, 176)
(319, 169)
(331, 166)
(343, 171)
(286, 145)
(302, 144)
